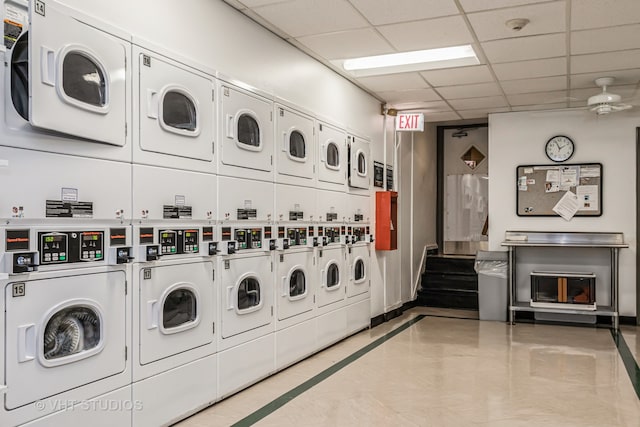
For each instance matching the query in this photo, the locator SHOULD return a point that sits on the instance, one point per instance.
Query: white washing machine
(174, 111)
(360, 165)
(295, 143)
(66, 330)
(174, 294)
(66, 82)
(332, 157)
(245, 138)
(52, 186)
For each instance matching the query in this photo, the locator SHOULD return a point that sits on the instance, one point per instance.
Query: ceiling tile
(409, 95)
(523, 48)
(347, 44)
(544, 84)
(478, 103)
(394, 82)
(432, 33)
(455, 76)
(624, 77)
(481, 113)
(431, 106)
(539, 107)
(531, 69)
(469, 91)
(440, 117)
(603, 13)
(545, 18)
(605, 39)
(381, 12)
(538, 98)
(475, 5)
(306, 17)
(610, 61)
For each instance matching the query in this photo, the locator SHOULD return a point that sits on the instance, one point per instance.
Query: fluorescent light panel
(432, 59)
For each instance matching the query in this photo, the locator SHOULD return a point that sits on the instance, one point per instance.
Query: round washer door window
(333, 276)
(297, 284)
(362, 164)
(333, 156)
(20, 76)
(359, 271)
(248, 131)
(297, 147)
(71, 331)
(179, 111)
(180, 308)
(248, 293)
(83, 79)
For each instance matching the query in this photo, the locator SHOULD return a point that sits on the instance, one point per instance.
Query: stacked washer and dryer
(170, 236)
(175, 237)
(65, 202)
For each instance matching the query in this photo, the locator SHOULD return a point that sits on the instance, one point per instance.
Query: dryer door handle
(26, 342)
(47, 66)
(285, 147)
(152, 104)
(323, 153)
(229, 297)
(152, 314)
(284, 286)
(229, 126)
(322, 278)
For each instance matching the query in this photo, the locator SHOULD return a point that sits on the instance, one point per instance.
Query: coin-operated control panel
(297, 236)
(331, 235)
(361, 234)
(179, 242)
(246, 238)
(70, 247)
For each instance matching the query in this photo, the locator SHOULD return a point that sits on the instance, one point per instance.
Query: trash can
(491, 267)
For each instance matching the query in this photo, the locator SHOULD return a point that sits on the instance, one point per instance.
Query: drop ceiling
(551, 63)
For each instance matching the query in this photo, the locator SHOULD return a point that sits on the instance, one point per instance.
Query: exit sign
(413, 122)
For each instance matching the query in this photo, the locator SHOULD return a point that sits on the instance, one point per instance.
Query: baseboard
(628, 320)
(392, 314)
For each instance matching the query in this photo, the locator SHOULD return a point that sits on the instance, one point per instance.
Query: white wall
(519, 138)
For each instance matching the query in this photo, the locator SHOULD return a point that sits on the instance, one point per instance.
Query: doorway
(463, 174)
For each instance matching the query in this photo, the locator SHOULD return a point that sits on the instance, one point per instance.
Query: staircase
(449, 282)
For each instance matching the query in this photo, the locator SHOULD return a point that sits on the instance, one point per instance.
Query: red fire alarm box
(386, 220)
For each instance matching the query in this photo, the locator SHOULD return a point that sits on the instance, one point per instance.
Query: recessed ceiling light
(412, 61)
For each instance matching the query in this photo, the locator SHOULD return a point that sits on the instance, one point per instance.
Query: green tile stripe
(297, 391)
(630, 363)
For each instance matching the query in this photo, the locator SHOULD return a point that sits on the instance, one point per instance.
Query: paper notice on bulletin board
(567, 206)
(588, 197)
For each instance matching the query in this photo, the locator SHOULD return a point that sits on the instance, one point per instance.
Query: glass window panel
(297, 284)
(362, 164)
(70, 331)
(248, 131)
(248, 293)
(296, 145)
(333, 276)
(359, 270)
(180, 307)
(20, 76)
(83, 79)
(472, 157)
(179, 111)
(333, 155)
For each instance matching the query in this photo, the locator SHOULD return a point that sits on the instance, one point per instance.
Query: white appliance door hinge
(271, 311)
(126, 129)
(271, 160)
(272, 266)
(126, 352)
(213, 147)
(213, 94)
(126, 287)
(213, 329)
(214, 275)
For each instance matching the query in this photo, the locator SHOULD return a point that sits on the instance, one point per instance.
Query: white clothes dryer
(66, 84)
(245, 133)
(67, 321)
(332, 157)
(360, 168)
(174, 111)
(333, 277)
(295, 144)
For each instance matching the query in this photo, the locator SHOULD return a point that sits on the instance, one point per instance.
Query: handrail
(423, 267)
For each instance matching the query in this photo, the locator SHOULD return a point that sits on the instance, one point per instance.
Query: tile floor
(444, 371)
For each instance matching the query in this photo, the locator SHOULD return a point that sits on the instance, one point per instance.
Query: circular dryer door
(331, 284)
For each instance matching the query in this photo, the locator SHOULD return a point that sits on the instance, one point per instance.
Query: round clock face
(559, 148)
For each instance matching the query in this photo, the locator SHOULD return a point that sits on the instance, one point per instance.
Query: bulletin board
(540, 188)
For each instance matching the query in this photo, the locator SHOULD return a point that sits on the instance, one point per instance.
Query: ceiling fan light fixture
(606, 102)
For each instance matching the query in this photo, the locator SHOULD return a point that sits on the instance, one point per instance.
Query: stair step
(449, 299)
(450, 264)
(453, 281)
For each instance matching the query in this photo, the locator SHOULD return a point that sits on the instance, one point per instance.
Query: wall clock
(559, 148)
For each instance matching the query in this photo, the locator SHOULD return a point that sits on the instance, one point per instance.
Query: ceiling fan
(606, 102)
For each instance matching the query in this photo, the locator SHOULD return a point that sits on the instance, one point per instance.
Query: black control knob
(231, 248)
(272, 245)
(123, 255)
(285, 244)
(213, 248)
(153, 253)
